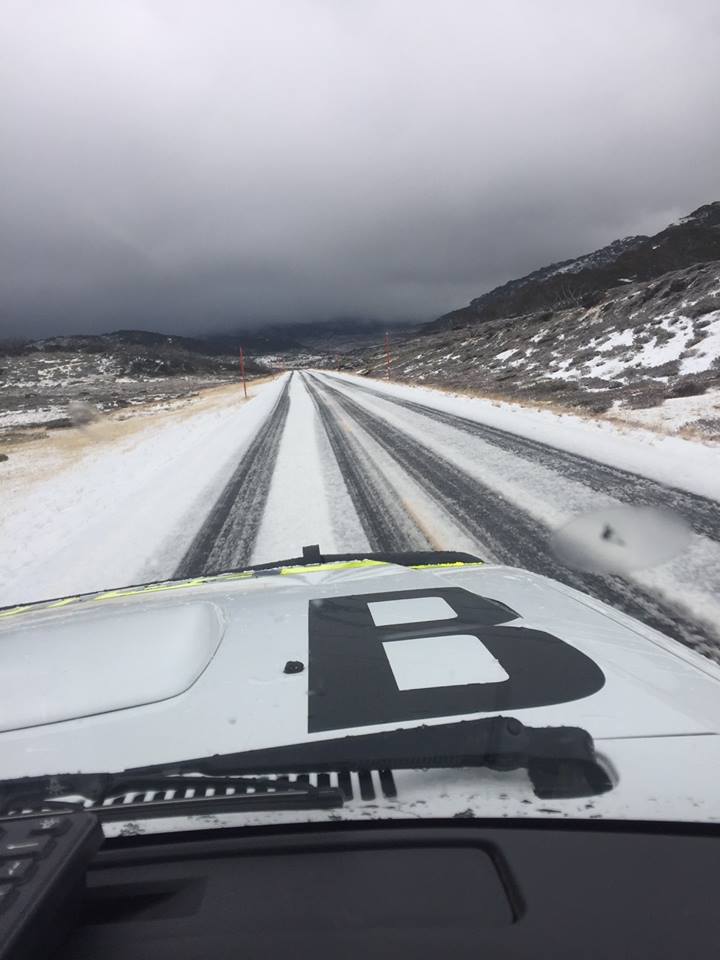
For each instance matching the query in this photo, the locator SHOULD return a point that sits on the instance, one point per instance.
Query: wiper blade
(560, 761)
(404, 558)
(172, 795)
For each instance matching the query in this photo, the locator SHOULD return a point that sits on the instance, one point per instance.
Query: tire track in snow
(514, 537)
(227, 536)
(702, 513)
(387, 525)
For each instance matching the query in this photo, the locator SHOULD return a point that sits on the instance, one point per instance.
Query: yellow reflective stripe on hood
(129, 592)
(113, 594)
(173, 585)
(221, 577)
(40, 605)
(161, 587)
(14, 610)
(340, 565)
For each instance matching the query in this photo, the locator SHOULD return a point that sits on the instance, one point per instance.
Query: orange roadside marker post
(242, 371)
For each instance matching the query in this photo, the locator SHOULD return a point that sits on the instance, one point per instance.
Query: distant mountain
(582, 281)
(259, 342)
(137, 353)
(318, 336)
(149, 354)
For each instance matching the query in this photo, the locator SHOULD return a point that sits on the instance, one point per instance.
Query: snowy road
(364, 470)
(227, 537)
(359, 466)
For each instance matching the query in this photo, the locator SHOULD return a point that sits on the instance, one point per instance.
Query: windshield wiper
(312, 555)
(560, 761)
(108, 794)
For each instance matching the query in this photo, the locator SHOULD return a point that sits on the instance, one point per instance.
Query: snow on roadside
(20, 418)
(674, 413)
(121, 512)
(688, 464)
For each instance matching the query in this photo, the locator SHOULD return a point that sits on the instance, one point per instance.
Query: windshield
(360, 374)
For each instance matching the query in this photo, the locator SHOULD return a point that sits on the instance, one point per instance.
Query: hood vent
(364, 785)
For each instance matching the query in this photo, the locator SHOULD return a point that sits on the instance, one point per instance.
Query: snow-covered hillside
(641, 345)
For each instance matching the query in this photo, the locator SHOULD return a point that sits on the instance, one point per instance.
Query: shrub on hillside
(687, 388)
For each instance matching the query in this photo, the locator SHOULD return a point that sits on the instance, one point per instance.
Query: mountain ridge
(582, 280)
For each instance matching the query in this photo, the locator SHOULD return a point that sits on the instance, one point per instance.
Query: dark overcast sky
(190, 165)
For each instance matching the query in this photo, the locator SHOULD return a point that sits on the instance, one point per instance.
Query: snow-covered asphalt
(357, 466)
(351, 467)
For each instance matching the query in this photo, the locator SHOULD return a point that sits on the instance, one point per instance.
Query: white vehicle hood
(169, 672)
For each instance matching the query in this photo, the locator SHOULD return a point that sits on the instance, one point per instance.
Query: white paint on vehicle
(75, 665)
(455, 660)
(417, 610)
(655, 721)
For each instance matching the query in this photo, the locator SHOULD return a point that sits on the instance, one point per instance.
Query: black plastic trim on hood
(409, 558)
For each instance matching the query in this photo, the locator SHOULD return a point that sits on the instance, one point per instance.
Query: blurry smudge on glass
(620, 539)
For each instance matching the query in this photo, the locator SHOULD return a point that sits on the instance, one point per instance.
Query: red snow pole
(242, 371)
(387, 355)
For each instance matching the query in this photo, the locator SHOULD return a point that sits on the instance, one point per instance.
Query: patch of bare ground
(26, 459)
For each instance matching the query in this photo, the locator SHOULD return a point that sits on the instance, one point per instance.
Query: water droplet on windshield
(620, 539)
